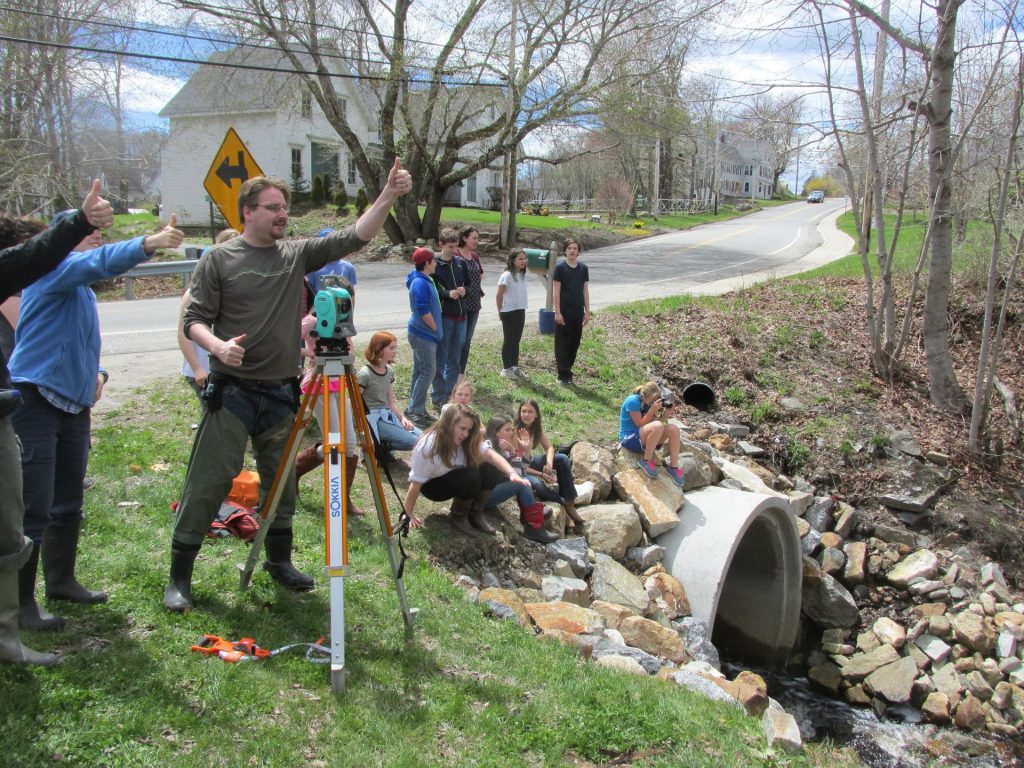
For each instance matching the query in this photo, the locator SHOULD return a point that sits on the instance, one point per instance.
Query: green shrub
(361, 201)
(317, 194)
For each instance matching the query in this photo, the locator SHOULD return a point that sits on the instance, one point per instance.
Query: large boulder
(595, 464)
(652, 637)
(612, 528)
(495, 596)
(893, 682)
(826, 602)
(973, 631)
(564, 617)
(667, 594)
(656, 501)
(922, 564)
(612, 583)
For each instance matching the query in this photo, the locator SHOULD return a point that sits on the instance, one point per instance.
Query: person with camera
(644, 427)
(246, 311)
(20, 266)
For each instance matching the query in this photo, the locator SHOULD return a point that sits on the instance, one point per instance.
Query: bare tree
(451, 108)
(926, 55)
(774, 119)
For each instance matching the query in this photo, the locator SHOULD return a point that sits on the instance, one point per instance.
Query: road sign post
(232, 163)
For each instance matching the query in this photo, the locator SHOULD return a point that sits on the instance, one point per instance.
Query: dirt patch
(808, 341)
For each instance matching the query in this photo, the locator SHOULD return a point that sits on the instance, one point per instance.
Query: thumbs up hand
(168, 237)
(399, 179)
(98, 212)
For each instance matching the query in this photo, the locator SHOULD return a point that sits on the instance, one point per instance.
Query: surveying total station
(333, 385)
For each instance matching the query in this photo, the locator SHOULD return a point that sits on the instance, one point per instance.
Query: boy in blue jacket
(425, 332)
(56, 368)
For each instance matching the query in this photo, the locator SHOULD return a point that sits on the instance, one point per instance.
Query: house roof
(216, 89)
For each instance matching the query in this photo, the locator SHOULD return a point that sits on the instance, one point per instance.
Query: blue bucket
(547, 321)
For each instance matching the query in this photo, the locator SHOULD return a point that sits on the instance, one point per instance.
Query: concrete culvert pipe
(738, 556)
(699, 395)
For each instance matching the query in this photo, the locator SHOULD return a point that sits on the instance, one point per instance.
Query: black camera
(667, 398)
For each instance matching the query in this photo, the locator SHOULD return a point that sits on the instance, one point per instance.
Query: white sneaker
(518, 372)
(508, 373)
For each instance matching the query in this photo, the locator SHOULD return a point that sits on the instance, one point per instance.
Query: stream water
(899, 740)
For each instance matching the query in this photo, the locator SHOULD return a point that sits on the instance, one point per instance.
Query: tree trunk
(943, 387)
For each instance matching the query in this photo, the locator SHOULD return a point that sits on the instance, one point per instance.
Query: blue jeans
(448, 351)
(563, 472)
(424, 360)
(471, 318)
(55, 452)
(390, 432)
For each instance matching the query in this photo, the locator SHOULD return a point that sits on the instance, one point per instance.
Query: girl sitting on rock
(501, 435)
(446, 464)
(546, 467)
(644, 427)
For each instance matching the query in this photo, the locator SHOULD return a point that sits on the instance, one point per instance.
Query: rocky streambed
(914, 641)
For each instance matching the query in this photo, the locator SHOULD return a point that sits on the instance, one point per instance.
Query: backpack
(235, 520)
(232, 520)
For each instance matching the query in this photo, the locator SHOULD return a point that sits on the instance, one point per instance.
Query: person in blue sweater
(425, 332)
(20, 266)
(56, 368)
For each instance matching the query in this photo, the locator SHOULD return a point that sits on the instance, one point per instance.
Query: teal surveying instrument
(334, 386)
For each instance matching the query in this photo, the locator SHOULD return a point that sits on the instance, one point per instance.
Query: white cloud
(145, 92)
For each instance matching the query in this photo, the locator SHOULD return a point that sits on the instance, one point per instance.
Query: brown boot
(476, 513)
(351, 463)
(306, 461)
(459, 516)
(577, 521)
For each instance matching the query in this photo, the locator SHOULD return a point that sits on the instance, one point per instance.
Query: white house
(279, 122)
(744, 167)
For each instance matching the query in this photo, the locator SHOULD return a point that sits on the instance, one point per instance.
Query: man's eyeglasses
(273, 207)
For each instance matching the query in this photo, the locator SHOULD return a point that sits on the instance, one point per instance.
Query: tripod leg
(365, 436)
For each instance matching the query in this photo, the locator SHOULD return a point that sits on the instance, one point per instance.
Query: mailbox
(538, 259)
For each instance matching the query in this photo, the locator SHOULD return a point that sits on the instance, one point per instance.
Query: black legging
(462, 483)
(512, 324)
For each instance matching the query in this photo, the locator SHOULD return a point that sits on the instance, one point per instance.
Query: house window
(307, 105)
(471, 189)
(746, 186)
(296, 162)
(351, 179)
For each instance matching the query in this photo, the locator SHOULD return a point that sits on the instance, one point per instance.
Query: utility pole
(506, 231)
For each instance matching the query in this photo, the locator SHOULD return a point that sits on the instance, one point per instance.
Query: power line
(248, 67)
(182, 35)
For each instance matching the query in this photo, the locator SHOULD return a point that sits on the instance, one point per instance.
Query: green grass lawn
(468, 690)
(969, 256)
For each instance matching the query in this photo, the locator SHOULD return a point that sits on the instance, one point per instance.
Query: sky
(757, 46)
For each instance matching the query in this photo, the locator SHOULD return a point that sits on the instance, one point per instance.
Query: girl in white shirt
(511, 298)
(445, 465)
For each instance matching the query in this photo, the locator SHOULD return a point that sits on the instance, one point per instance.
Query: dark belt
(253, 383)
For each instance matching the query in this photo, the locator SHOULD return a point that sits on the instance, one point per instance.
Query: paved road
(139, 337)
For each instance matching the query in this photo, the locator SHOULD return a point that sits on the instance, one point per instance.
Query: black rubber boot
(178, 594)
(31, 615)
(278, 548)
(12, 650)
(533, 527)
(60, 553)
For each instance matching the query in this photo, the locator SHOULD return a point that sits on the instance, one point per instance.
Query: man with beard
(246, 312)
